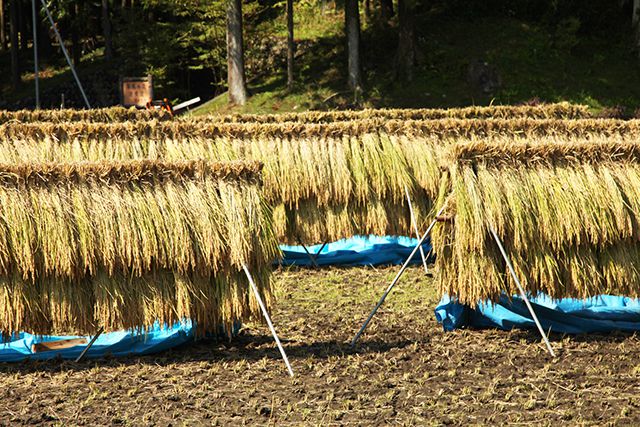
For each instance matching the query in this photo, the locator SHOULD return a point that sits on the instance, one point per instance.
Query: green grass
(269, 96)
(533, 62)
(311, 21)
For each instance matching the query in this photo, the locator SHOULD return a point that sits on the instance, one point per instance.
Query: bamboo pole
(66, 54)
(266, 316)
(397, 278)
(522, 292)
(414, 223)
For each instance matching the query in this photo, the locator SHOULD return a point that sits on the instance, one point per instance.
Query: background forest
(345, 54)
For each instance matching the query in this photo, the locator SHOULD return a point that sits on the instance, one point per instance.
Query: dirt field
(406, 371)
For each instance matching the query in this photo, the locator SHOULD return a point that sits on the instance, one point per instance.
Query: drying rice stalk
(561, 110)
(124, 244)
(446, 128)
(107, 115)
(568, 214)
(350, 175)
(323, 188)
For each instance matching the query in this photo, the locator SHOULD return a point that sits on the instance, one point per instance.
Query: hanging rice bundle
(568, 215)
(325, 186)
(445, 128)
(124, 244)
(107, 115)
(562, 110)
(352, 175)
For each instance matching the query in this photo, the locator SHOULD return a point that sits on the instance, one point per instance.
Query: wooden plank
(57, 345)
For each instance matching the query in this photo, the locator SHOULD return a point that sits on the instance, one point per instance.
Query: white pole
(266, 316)
(415, 227)
(395, 279)
(35, 52)
(522, 293)
(66, 55)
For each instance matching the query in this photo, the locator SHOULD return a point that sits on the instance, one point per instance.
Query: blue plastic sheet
(356, 251)
(121, 343)
(604, 313)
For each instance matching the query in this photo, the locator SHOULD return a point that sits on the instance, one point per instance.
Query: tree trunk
(15, 67)
(367, 11)
(386, 9)
(45, 48)
(22, 25)
(635, 21)
(290, 44)
(235, 54)
(106, 31)
(3, 35)
(75, 39)
(352, 25)
(406, 53)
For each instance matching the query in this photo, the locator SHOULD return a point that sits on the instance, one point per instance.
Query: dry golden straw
(322, 187)
(561, 110)
(109, 115)
(519, 127)
(118, 244)
(325, 181)
(567, 213)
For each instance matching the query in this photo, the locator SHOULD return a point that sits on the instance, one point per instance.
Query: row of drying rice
(327, 181)
(120, 242)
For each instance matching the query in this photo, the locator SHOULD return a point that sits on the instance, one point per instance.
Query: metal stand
(84, 352)
(397, 278)
(414, 223)
(522, 292)
(311, 256)
(66, 54)
(266, 316)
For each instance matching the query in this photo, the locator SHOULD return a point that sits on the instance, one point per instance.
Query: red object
(163, 104)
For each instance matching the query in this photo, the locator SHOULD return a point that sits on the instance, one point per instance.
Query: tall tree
(635, 23)
(367, 11)
(23, 19)
(386, 9)
(106, 30)
(235, 54)
(352, 26)
(74, 11)
(290, 44)
(406, 53)
(3, 24)
(15, 66)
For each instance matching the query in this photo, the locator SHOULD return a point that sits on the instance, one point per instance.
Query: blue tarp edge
(603, 313)
(356, 251)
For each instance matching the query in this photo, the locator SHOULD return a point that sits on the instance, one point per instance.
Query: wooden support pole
(265, 313)
(395, 279)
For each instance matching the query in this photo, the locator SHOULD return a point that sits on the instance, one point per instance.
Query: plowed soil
(405, 371)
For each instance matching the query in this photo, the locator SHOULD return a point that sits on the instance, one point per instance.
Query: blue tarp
(117, 344)
(122, 343)
(357, 251)
(603, 313)
(600, 314)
